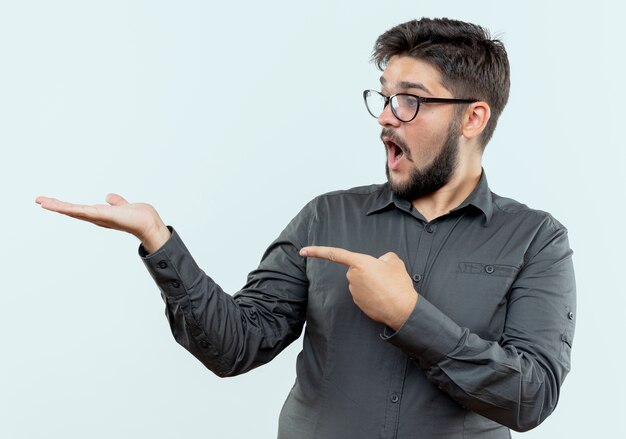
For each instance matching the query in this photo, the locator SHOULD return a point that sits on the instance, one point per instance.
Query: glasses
(404, 106)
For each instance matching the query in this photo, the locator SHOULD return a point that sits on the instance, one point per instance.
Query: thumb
(389, 257)
(116, 200)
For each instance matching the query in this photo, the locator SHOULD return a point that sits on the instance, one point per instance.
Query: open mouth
(394, 150)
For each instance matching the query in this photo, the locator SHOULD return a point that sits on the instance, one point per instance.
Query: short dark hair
(471, 63)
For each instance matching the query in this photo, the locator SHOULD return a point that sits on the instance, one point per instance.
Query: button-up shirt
(485, 349)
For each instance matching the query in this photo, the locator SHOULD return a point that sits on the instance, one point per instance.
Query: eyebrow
(407, 84)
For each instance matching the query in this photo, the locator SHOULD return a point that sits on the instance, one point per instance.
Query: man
(462, 328)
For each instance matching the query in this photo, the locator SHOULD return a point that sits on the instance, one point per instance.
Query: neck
(452, 194)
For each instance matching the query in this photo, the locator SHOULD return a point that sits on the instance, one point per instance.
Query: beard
(435, 175)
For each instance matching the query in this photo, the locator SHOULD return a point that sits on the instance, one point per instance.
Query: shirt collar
(480, 198)
(386, 197)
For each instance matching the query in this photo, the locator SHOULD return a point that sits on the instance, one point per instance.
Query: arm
(514, 381)
(230, 335)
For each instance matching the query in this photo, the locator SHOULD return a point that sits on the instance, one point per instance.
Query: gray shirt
(487, 346)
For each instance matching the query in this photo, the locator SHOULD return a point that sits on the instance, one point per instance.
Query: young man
(462, 328)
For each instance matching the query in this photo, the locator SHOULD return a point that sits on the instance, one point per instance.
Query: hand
(381, 287)
(138, 219)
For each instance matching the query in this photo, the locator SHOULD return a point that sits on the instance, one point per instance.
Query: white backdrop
(229, 118)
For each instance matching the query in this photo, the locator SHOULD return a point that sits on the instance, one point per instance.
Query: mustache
(390, 135)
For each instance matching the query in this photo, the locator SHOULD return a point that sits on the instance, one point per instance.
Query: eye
(408, 101)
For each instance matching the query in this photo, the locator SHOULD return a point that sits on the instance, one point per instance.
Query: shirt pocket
(486, 269)
(482, 291)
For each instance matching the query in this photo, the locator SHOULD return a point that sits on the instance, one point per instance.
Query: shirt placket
(422, 253)
(418, 267)
(394, 398)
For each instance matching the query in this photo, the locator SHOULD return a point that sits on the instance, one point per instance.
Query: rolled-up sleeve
(515, 380)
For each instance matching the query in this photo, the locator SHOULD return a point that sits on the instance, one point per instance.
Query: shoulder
(336, 207)
(359, 196)
(358, 192)
(353, 199)
(538, 230)
(512, 210)
(356, 201)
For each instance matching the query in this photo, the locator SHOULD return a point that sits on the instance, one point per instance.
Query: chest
(464, 268)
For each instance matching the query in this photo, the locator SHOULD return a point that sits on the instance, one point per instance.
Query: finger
(79, 211)
(54, 204)
(388, 257)
(116, 200)
(333, 254)
(87, 213)
(40, 199)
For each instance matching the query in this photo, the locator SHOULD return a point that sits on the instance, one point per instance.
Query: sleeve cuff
(143, 252)
(172, 267)
(428, 335)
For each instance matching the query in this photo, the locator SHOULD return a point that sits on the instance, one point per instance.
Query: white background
(229, 118)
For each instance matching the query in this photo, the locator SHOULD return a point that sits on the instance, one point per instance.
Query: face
(422, 154)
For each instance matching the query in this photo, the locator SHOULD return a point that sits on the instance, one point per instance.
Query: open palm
(138, 219)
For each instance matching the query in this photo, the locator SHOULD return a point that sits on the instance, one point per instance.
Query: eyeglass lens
(404, 107)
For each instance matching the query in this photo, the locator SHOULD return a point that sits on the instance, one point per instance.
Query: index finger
(333, 254)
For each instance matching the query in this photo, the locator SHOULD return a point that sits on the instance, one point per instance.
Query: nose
(387, 118)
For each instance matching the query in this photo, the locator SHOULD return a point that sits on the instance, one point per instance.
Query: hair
(472, 64)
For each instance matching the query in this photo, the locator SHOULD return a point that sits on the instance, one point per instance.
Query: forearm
(229, 335)
(514, 388)
(516, 379)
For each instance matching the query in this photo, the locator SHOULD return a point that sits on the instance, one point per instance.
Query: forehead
(404, 73)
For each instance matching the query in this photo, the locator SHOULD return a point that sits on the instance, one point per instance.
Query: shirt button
(417, 277)
(204, 344)
(489, 269)
(570, 315)
(175, 284)
(430, 229)
(162, 264)
(394, 398)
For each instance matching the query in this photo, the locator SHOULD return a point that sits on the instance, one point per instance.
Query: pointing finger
(333, 254)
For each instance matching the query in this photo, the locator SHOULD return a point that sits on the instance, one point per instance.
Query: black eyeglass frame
(420, 100)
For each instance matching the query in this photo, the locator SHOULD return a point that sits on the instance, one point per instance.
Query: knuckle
(389, 256)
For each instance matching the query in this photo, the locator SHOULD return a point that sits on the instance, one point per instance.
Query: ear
(475, 119)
